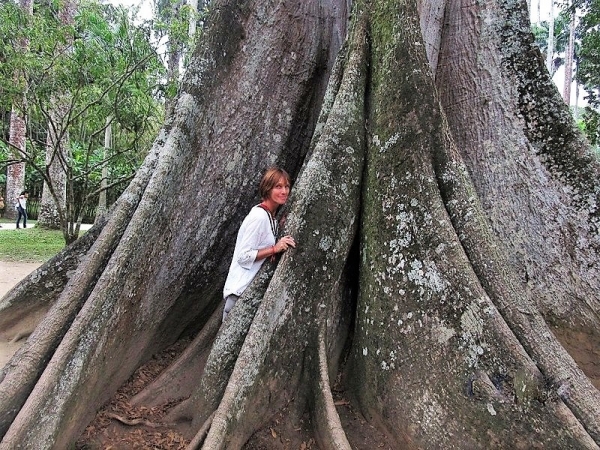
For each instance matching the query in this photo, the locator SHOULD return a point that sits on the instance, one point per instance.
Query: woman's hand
(284, 243)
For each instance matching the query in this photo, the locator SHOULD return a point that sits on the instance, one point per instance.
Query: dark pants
(21, 213)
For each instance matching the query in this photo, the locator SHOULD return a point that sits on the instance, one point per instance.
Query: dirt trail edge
(12, 272)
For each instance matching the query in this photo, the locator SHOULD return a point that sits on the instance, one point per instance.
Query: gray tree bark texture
(54, 194)
(15, 173)
(446, 213)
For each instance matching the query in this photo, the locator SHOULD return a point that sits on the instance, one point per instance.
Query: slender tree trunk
(15, 173)
(102, 205)
(570, 52)
(577, 93)
(550, 46)
(193, 19)
(173, 59)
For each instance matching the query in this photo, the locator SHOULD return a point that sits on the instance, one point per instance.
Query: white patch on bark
(390, 142)
(472, 330)
(443, 334)
(427, 275)
(325, 243)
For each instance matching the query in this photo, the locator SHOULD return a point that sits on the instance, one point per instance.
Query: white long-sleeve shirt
(256, 232)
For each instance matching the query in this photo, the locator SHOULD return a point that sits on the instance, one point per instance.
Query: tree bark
(211, 118)
(15, 173)
(570, 53)
(102, 204)
(445, 210)
(54, 194)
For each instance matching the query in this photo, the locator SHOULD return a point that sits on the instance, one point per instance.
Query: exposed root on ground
(180, 378)
(489, 261)
(20, 336)
(18, 380)
(328, 425)
(125, 425)
(201, 434)
(207, 391)
(139, 421)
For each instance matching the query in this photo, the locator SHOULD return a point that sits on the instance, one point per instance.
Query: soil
(12, 273)
(121, 426)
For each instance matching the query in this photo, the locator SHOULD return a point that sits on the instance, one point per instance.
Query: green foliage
(71, 77)
(590, 125)
(588, 72)
(561, 37)
(30, 244)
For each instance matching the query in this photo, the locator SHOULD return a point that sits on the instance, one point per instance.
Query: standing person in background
(22, 208)
(257, 236)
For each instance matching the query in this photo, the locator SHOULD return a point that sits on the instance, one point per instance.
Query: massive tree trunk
(445, 209)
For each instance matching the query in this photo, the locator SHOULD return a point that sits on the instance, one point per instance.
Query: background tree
(589, 64)
(15, 173)
(175, 28)
(446, 277)
(560, 39)
(54, 196)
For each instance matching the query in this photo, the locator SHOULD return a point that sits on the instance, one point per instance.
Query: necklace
(271, 219)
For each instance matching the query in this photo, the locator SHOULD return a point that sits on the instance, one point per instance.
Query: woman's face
(280, 192)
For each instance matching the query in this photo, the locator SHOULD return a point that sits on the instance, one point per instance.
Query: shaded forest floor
(106, 432)
(109, 432)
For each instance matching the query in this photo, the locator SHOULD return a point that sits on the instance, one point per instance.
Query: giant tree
(446, 214)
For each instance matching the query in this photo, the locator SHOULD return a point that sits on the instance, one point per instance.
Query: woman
(256, 239)
(22, 208)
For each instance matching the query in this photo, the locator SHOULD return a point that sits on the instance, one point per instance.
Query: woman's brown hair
(270, 179)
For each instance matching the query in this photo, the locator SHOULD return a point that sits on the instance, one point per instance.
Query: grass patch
(30, 244)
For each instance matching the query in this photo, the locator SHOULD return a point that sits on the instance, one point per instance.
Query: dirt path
(10, 274)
